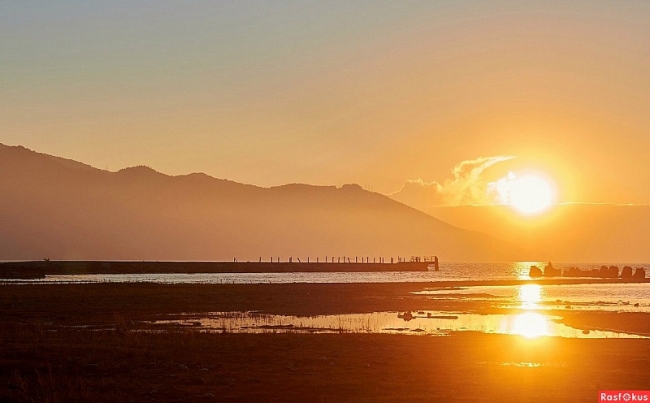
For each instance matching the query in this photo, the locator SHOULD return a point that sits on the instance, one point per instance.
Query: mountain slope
(62, 209)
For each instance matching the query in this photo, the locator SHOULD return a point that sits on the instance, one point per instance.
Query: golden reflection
(522, 269)
(530, 325)
(530, 295)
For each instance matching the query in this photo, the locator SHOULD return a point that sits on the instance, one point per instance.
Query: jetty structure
(39, 269)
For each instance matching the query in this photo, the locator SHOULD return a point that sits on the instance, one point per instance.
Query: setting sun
(528, 194)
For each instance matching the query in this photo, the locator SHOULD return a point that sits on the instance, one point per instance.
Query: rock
(627, 272)
(603, 272)
(535, 272)
(406, 316)
(639, 273)
(550, 271)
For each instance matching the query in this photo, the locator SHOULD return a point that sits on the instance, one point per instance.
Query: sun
(529, 194)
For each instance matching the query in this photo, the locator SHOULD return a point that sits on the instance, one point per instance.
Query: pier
(39, 269)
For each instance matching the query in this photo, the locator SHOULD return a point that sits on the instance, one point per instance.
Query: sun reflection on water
(530, 295)
(530, 325)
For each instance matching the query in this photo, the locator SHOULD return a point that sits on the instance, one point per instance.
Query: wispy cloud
(466, 186)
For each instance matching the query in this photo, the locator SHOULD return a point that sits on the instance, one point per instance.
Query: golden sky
(369, 92)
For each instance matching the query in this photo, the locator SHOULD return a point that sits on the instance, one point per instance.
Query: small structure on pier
(432, 260)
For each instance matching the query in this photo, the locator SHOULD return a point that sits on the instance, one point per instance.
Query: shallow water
(628, 297)
(434, 323)
(608, 297)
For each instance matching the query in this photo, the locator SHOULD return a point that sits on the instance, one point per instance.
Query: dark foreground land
(47, 355)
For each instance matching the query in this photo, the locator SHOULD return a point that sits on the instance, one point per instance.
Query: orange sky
(375, 93)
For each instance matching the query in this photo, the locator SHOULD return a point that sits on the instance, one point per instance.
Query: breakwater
(39, 269)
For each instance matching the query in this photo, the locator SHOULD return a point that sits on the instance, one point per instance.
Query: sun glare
(529, 194)
(530, 295)
(530, 325)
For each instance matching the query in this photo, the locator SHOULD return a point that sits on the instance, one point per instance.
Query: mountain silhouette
(61, 209)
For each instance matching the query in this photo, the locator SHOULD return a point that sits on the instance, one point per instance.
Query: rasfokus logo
(623, 396)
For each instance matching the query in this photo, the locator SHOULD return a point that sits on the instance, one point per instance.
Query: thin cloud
(467, 186)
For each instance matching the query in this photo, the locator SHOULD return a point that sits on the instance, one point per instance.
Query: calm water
(528, 324)
(530, 319)
(603, 297)
(448, 272)
(609, 297)
(534, 299)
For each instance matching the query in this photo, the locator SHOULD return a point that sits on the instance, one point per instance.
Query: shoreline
(98, 303)
(95, 342)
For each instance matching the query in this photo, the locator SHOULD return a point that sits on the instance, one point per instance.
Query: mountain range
(61, 209)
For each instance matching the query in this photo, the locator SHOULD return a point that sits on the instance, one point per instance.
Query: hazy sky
(333, 92)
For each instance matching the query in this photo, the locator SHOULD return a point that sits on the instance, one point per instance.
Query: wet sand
(46, 355)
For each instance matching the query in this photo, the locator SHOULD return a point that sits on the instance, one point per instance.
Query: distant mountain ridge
(62, 209)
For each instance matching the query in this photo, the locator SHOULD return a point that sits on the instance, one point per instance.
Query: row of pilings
(340, 259)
